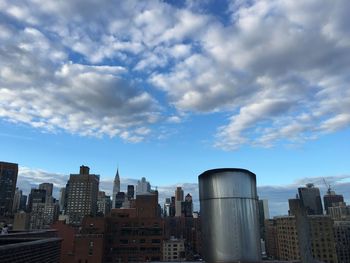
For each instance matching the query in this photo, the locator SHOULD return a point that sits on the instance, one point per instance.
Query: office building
(166, 208)
(116, 188)
(36, 196)
(82, 192)
(179, 197)
(62, 200)
(271, 241)
(131, 192)
(23, 203)
(104, 203)
(187, 206)
(48, 187)
(119, 200)
(143, 186)
(8, 180)
(311, 199)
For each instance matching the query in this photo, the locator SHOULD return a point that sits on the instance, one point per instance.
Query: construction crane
(328, 186)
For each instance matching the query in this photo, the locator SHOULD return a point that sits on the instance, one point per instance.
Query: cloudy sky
(168, 89)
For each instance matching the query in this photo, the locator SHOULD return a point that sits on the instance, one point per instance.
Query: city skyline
(168, 89)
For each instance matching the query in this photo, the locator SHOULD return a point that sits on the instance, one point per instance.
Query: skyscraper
(16, 200)
(36, 196)
(131, 192)
(82, 191)
(116, 188)
(8, 180)
(143, 187)
(48, 187)
(311, 199)
(179, 197)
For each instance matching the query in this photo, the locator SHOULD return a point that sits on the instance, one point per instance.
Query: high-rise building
(8, 180)
(23, 203)
(166, 208)
(187, 206)
(116, 188)
(103, 203)
(143, 186)
(179, 197)
(119, 200)
(321, 237)
(48, 187)
(331, 198)
(36, 196)
(62, 201)
(82, 192)
(311, 199)
(131, 192)
(16, 200)
(263, 215)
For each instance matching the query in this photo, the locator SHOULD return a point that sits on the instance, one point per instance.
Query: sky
(168, 89)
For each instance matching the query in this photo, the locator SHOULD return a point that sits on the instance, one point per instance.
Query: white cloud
(267, 50)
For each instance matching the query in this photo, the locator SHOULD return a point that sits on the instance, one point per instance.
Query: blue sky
(169, 89)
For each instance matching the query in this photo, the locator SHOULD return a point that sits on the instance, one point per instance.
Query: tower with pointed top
(116, 187)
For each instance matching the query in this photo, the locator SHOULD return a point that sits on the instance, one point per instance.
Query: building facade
(174, 250)
(8, 180)
(311, 199)
(82, 192)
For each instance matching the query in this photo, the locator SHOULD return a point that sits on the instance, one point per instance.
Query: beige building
(174, 249)
(21, 221)
(321, 234)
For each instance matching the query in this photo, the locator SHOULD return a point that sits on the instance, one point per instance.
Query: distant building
(43, 215)
(21, 221)
(174, 250)
(8, 180)
(16, 200)
(119, 200)
(271, 241)
(131, 192)
(187, 206)
(331, 198)
(339, 211)
(63, 199)
(143, 186)
(104, 204)
(166, 208)
(116, 188)
(23, 203)
(311, 199)
(36, 196)
(179, 197)
(263, 215)
(82, 192)
(48, 187)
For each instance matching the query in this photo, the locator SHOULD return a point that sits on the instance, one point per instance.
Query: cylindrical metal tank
(229, 215)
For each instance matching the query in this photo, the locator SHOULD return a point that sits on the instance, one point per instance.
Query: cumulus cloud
(275, 67)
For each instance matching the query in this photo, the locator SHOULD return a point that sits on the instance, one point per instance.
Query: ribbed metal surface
(229, 212)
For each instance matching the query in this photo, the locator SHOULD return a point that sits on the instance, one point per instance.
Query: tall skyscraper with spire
(116, 188)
